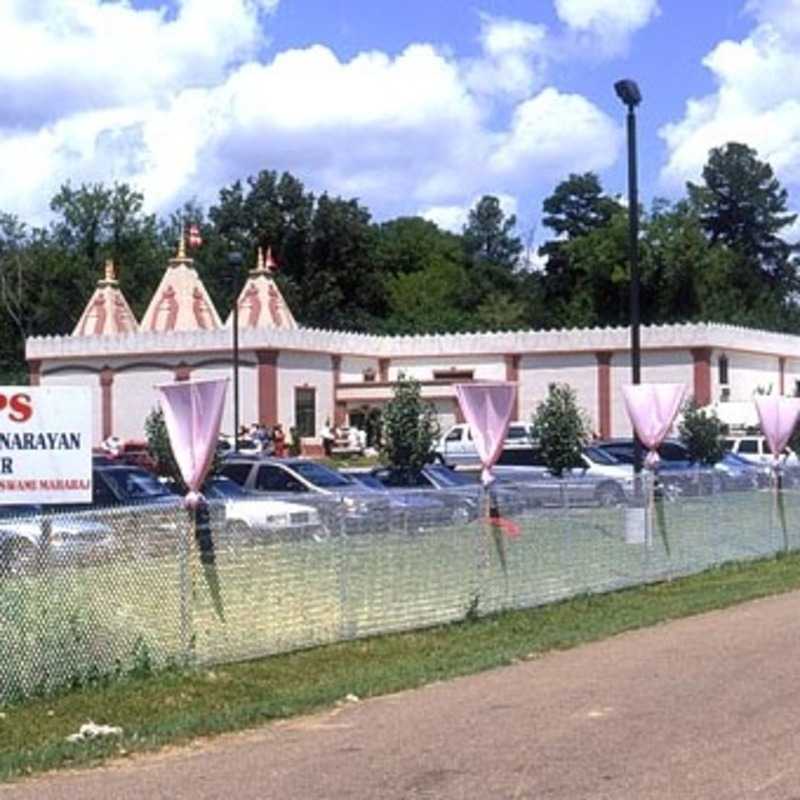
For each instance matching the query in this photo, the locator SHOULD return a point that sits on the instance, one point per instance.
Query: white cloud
(552, 130)
(607, 23)
(178, 112)
(63, 56)
(757, 100)
(514, 59)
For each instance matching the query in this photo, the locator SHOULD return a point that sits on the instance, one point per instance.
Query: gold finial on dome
(260, 260)
(110, 271)
(182, 244)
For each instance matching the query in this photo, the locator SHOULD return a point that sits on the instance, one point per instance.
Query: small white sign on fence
(45, 444)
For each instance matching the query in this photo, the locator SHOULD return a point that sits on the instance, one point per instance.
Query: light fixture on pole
(234, 267)
(628, 92)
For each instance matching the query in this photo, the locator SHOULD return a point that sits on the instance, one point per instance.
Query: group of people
(271, 440)
(350, 438)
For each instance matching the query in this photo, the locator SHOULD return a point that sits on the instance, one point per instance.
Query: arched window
(723, 370)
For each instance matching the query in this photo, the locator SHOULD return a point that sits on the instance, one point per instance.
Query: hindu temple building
(301, 376)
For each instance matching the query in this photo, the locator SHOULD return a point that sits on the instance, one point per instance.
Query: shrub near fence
(146, 595)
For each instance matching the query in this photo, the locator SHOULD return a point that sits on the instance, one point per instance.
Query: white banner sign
(45, 444)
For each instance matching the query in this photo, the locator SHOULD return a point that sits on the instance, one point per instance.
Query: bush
(409, 429)
(701, 432)
(561, 428)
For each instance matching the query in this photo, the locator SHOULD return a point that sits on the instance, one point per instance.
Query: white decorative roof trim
(357, 344)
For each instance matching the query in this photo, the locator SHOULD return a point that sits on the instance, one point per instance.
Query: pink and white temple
(301, 377)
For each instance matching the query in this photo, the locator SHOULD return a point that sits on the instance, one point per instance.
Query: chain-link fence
(88, 595)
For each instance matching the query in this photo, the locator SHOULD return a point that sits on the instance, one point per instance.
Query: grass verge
(175, 706)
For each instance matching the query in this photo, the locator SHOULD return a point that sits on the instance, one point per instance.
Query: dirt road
(707, 707)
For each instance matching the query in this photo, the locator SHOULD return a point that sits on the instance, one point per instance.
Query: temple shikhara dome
(261, 304)
(181, 301)
(107, 313)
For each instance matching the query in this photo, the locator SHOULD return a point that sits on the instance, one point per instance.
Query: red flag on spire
(194, 237)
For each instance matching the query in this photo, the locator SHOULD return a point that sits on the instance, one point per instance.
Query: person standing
(279, 441)
(327, 438)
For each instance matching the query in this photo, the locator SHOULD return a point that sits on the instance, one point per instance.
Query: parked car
(597, 478)
(680, 475)
(247, 515)
(738, 473)
(756, 449)
(339, 499)
(456, 447)
(31, 536)
(419, 509)
(453, 484)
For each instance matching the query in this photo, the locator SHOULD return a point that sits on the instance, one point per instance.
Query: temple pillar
(701, 356)
(383, 370)
(267, 382)
(107, 401)
(512, 376)
(34, 373)
(603, 393)
(183, 372)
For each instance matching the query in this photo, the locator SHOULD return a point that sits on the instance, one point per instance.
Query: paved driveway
(707, 707)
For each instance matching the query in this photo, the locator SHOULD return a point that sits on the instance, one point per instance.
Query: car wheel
(460, 515)
(609, 494)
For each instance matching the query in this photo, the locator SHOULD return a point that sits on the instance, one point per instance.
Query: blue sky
(414, 107)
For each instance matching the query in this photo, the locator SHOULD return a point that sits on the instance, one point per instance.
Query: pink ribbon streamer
(192, 414)
(487, 407)
(778, 417)
(652, 408)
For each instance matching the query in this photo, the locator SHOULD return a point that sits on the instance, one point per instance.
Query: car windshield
(135, 484)
(447, 477)
(367, 480)
(319, 475)
(599, 456)
(222, 488)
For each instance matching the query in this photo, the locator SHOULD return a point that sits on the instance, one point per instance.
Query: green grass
(109, 629)
(174, 706)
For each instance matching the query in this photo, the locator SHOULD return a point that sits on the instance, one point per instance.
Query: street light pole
(628, 92)
(234, 264)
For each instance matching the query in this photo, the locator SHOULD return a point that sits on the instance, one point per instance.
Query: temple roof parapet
(692, 335)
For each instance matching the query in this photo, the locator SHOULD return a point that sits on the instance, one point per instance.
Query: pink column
(604, 393)
(267, 386)
(107, 400)
(512, 375)
(702, 375)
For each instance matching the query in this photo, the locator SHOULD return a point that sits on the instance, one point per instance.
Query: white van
(456, 445)
(757, 450)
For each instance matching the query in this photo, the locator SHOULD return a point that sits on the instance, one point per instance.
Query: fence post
(185, 585)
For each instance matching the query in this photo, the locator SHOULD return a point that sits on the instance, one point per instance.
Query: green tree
(409, 428)
(489, 235)
(430, 300)
(742, 204)
(561, 428)
(577, 286)
(160, 449)
(95, 222)
(701, 431)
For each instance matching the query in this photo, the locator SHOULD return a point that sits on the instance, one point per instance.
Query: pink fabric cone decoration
(778, 417)
(192, 414)
(652, 408)
(487, 408)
